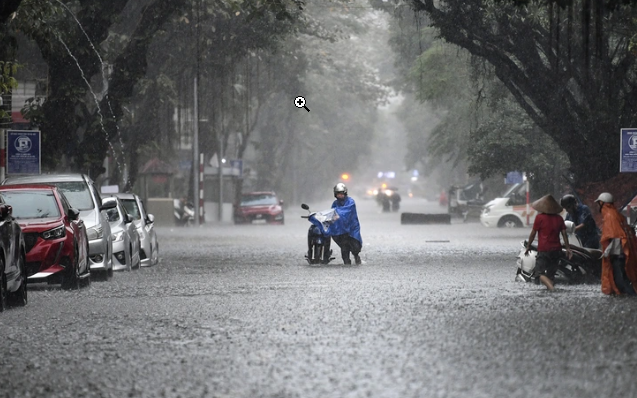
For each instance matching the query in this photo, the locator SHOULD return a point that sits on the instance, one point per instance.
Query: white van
(509, 211)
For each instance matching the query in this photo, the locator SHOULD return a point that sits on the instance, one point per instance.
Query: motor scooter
(318, 241)
(585, 266)
(184, 214)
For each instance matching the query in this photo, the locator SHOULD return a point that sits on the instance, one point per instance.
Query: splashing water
(104, 93)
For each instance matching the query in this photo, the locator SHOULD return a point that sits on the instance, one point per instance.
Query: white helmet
(605, 197)
(340, 188)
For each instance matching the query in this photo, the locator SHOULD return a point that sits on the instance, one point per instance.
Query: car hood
(38, 224)
(496, 201)
(90, 218)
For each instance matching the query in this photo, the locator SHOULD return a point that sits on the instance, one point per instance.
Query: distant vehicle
(509, 211)
(13, 271)
(125, 237)
(259, 208)
(82, 195)
(55, 237)
(145, 223)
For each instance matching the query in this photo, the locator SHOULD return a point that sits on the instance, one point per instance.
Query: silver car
(149, 252)
(124, 233)
(82, 194)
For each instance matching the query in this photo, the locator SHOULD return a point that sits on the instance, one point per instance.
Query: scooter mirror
(305, 207)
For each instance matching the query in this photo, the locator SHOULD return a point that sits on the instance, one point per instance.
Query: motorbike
(318, 241)
(184, 214)
(585, 266)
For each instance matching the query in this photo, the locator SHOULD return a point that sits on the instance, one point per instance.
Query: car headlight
(486, 210)
(95, 232)
(118, 236)
(55, 233)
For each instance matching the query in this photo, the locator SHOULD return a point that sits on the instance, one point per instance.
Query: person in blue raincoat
(346, 231)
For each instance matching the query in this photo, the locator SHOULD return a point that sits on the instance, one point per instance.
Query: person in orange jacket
(619, 246)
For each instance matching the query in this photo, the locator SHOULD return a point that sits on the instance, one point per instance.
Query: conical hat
(547, 204)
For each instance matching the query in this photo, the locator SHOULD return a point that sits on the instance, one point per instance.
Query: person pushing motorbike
(585, 227)
(346, 231)
(548, 226)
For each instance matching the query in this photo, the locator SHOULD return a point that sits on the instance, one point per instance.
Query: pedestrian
(585, 227)
(547, 226)
(619, 246)
(346, 231)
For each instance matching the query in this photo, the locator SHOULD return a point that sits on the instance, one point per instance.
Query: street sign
(628, 150)
(514, 177)
(237, 164)
(23, 152)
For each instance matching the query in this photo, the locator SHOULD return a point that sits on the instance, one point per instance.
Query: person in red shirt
(548, 225)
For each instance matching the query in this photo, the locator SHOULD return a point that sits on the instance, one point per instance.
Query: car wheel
(509, 222)
(71, 281)
(139, 258)
(154, 254)
(3, 287)
(19, 297)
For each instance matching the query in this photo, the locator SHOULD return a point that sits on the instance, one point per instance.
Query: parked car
(509, 210)
(82, 195)
(125, 236)
(259, 208)
(149, 245)
(13, 271)
(55, 237)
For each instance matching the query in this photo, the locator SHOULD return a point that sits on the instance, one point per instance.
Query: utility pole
(195, 140)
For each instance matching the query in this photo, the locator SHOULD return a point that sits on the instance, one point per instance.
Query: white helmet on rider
(340, 188)
(605, 197)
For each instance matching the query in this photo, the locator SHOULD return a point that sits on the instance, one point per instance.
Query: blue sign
(237, 164)
(23, 152)
(514, 177)
(628, 151)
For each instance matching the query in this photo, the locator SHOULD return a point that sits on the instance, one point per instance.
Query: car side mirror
(73, 214)
(108, 204)
(128, 218)
(150, 218)
(5, 211)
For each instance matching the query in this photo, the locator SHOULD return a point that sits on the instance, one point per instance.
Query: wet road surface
(235, 311)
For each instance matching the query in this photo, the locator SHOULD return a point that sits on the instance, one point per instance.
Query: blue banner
(23, 152)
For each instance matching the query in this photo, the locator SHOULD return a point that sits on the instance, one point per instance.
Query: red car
(54, 235)
(259, 208)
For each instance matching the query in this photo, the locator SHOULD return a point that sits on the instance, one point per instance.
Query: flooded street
(236, 311)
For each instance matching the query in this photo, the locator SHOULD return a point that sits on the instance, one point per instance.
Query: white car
(501, 213)
(149, 246)
(126, 240)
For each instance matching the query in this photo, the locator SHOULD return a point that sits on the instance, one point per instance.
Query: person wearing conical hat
(548, 226)
(619, 245)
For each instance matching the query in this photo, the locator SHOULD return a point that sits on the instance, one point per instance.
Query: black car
(13, 271)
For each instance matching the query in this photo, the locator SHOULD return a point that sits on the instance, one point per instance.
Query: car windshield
(131, 207)
(32, 204)
(258, 200)
(112, 214)
(77, 194)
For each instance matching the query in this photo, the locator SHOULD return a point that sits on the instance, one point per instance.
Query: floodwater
(235, 311)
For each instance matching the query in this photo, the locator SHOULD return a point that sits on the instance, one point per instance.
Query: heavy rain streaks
(237, 311)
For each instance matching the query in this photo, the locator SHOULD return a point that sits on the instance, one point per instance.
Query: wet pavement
(235, 311)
